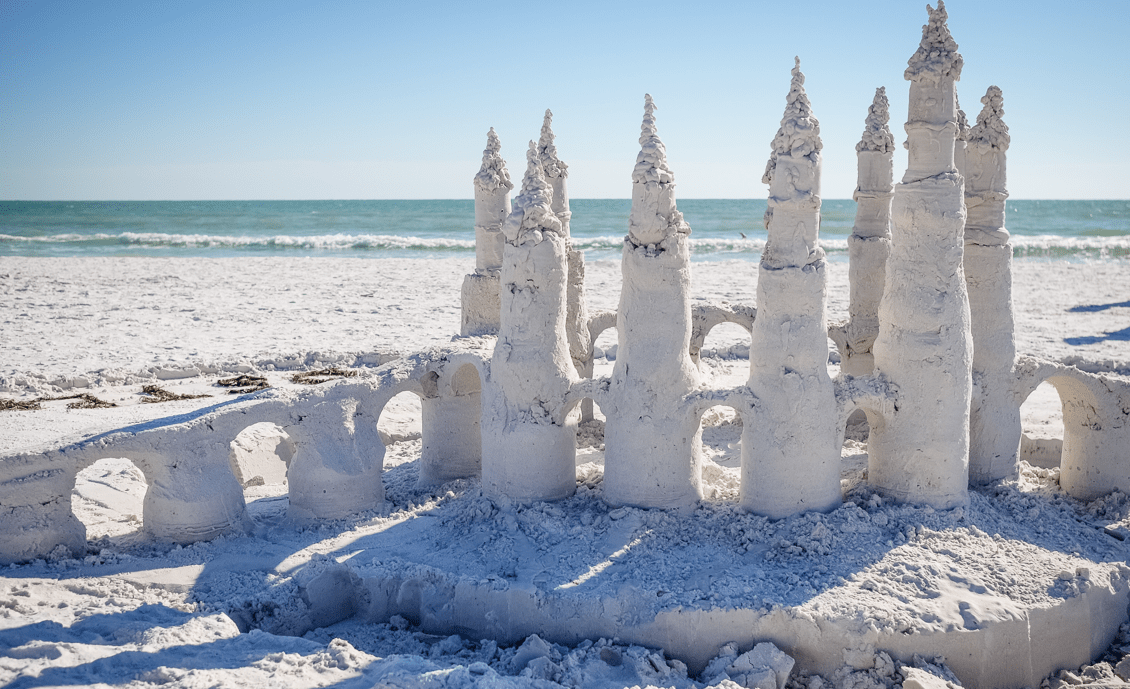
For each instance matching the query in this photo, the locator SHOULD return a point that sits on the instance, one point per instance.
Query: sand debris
(321, 375)
(243, 384)
(85, 401)
(158, 394)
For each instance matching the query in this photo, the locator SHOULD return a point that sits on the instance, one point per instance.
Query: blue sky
(385, 100)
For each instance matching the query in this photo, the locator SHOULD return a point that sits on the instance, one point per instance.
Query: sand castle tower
(556, 173)
(791, 456)
(870, 240)
(492, 205)
(924, 347)
(995, 427)
(526, 454)
(652, 452)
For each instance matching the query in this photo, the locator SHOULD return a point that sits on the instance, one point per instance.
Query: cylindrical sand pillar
(924, 347)
(994, 421)
(527, 454)
(652, 453)
(577, 316)
(791, 452)
(870, 240)
(492, 205)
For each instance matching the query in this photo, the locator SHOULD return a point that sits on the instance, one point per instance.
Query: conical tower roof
(937, 54)
(799, 135)
(876, 130)
(533, 212)
(493, 173)
(990, 130)
(551, 165)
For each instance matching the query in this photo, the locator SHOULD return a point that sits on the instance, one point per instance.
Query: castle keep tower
(994, 430)
(797, 467)
(870, 242)
(924, 347)
(492, 205)
(652, 452)
(526, 455)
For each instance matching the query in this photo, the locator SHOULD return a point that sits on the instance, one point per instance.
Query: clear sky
(392, 100)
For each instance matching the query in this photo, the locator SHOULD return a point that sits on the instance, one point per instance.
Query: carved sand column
(994, 421)
(652, 453)
(870, 240)
(492, 205)
(924, 346)
(577, 318)
(791, 456)
(527, 455)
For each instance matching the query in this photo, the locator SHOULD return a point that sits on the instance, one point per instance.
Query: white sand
(112, 323)
(76, 317)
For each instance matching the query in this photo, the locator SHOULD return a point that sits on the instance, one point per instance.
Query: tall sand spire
(994, 422)
(924, 346)
(798, 471)
(870, 242)
(492, 205)
(526, 454)
(652, 451)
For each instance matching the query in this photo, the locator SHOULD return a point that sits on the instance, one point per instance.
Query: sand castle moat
(928, 356)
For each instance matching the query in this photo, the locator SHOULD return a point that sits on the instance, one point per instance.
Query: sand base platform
(1007, 590)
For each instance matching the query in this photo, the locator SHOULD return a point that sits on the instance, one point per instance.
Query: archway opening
(725, 355)
(853, 452)
(450, 412)
(590, 444)
(1041, 421)
(721, 453)
(259, 458)
(604, 353)
(108, 498)
(400, 428)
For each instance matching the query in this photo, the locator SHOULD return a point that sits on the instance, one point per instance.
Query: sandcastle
(928, 355)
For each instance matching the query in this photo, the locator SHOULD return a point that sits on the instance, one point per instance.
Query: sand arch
(260, 454)
(1096, 425)
(704, 317)
(451, 411)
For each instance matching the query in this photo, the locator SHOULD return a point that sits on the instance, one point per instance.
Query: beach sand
(133, 613)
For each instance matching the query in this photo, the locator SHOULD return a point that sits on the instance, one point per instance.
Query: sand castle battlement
(928, 353)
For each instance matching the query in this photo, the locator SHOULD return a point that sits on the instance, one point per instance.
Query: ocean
(1041, 230)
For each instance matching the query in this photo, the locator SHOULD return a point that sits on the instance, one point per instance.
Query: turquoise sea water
(1072, 230)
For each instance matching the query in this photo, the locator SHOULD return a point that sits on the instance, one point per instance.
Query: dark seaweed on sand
(243, 384)
(157, 394)
(85, 401)
(321, 375)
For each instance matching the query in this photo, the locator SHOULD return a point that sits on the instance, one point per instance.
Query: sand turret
(995, 427)
(870, 240)
(492, 205)
(924, 347)
(527, 455)
(652, 451)
(797, 471)
(556, 174)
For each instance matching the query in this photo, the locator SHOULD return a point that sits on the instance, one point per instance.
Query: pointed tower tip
(547, 151)
(990, 130)
(876, 131)
(937, 54)
(493, 174)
